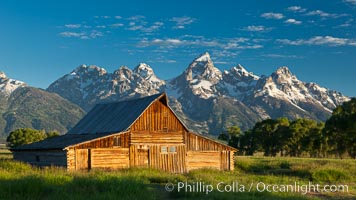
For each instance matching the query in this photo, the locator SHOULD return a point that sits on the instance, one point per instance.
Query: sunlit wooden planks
(158, 117)
(141, 137)
(170, 161)
(225, 160)
(82, 159)
(70, 159)
(109, 158)
(203, 159)
(232, 161)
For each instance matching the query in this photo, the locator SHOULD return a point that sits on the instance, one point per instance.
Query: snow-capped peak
(240, 68)
(202, 68)
(7, 85)
(241, 71)
(86, 71)
(91, 68)
(201, 77)
(284, 70)
(238, 81)
(144, 70)
(205, 57)
(284, 76)
(122, 69)
(147, 73)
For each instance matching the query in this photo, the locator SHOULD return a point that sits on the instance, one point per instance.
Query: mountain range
(22, 106)
(207, 99)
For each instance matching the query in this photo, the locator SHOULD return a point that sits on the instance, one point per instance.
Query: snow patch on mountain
(146, 72)
(238, 82)
(8, 85)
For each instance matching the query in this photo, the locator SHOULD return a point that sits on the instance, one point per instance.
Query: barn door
(82, 159)
(139, 156)
(142, 157)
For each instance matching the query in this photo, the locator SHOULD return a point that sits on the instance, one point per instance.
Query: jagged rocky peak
(284, 70)
(147, 74)
(283, 75)
(92, 69)
(240, 68)
(145, 71)
(205, 57)
(203, 68)
(123, 73)
(123, 70)
(240, 71)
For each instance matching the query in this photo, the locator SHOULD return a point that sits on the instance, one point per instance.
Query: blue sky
(41, 41)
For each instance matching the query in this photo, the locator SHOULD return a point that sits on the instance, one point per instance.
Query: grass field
(21, 181)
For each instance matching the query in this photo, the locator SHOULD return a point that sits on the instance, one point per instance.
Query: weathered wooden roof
(59, 142)
(114, 117)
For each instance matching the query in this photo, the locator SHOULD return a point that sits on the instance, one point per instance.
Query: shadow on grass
(34, 187)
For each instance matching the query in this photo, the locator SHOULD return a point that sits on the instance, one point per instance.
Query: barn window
(117, 141)
(172, 149)
(164, 149)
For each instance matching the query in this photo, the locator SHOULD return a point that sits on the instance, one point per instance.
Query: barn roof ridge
(132, 99)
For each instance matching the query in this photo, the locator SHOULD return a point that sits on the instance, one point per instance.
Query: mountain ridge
(206, 97)
(22, 106)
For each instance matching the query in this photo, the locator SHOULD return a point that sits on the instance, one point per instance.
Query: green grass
(22, 181)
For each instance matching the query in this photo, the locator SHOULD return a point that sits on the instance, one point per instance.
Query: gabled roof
(115, 117)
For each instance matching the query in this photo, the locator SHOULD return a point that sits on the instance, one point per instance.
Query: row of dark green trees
(301, 137)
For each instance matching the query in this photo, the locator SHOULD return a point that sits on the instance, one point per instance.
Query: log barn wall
(232, 160)
(141, 137)
(203, 159)
(71, 159)
(168, 161)
(82, 160)
(225, 160)
(105, 158)
(117, 158)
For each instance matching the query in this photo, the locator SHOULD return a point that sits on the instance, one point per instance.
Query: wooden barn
(143, 132)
